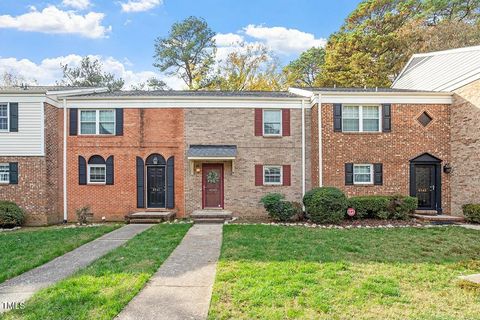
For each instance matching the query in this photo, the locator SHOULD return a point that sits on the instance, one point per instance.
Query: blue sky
(42, 34)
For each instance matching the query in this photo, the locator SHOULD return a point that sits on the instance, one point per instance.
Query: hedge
(395, 207)
(471, 212)
(11, 215)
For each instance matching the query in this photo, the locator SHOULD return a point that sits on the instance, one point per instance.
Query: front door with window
(425, 185)
(156, 186)
(212, 185)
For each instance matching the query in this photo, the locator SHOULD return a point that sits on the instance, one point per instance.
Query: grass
(104, 288)
(28, 248)
(272, 272)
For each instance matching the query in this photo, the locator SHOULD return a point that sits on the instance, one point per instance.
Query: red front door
(212, 185)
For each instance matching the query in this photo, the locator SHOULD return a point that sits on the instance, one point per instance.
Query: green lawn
(104, 288)
(292, 272)
(28, 248)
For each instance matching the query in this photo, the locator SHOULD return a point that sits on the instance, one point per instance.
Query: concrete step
(442, 218)
(211, 216)
(150, 216)
(426, 212)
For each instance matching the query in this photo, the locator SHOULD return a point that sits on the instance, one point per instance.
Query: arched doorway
(156, 181)
(426, 182)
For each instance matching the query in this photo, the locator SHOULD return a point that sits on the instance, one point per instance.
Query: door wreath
(213, 177)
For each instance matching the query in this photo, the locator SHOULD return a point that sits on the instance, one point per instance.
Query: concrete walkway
(182, 287)
(471, 226)
(17, 290)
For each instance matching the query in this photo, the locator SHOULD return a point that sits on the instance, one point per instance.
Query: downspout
(320, 151)
(303, 149)
(65, 210)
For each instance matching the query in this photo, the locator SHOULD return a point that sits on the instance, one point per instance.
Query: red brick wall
(407, 140)
(146, 131)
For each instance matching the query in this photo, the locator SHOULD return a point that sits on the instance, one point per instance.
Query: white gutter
(320, 144)
(74, 92)
(303, 149)
(65, 209)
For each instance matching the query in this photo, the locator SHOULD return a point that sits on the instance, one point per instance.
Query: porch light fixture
(155, 160)
(447, 168)
(197, 169)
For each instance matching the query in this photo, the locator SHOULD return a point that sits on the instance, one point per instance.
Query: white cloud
(227, 39)
(140, 5)
(77, 4)
(283, 40)
(53, 20)
(48, 71)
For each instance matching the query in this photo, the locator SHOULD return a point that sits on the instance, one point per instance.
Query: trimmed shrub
(395, 207)
(11, 215)
(308, 196)
(370, 206)
(277, 207)
(471, 212)
(326, 205)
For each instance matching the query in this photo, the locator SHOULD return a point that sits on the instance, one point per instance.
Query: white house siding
(29, 140)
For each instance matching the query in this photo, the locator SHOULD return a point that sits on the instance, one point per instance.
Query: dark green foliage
(278, 208)
(11, 215)
(395, 207)
(326, 205)
(370, 206)
(472, 212)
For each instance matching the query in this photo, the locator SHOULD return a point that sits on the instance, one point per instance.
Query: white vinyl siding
(363, 174)
(28, 141)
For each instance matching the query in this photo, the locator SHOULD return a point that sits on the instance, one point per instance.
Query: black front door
(156, 186)
(425, 186)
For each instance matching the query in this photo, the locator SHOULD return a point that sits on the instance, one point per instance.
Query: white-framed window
(359, 118)
(272, 122)
(4, 117)
(97, 122)
(97, 173)
(363, 174)
(272, 175)
(4, 173)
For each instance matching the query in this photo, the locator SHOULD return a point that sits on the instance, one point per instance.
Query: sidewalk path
(17, 290)
(182, 287)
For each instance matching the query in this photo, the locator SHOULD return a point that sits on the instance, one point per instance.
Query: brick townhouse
(184, 151)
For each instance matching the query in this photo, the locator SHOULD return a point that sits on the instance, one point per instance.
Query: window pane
(107, 116)
(350, 112)
(4, 173)
(272, 128)
(370, 112)
(3, 110)
(87, 128)
(272, 175)
(370, 125)
(362, 173)
(107, 128)
(272, 116)
(97, 174)
(3, 123)
(351, 125)
(362, 178)
(88, 116)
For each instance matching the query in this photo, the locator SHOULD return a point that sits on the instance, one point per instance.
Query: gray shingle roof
(189, 93)
(360, 90)
(215, 151)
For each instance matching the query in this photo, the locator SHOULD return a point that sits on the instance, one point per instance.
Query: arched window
(155, 159)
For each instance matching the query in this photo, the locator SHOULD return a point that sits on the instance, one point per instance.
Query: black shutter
(140, 183)
(13, 117)
(109, 171)
(348, 174)
(119, 122)
(337, 117)
(386, 117)
(378, 174)
(13, 172)
(73, 121)
(170, 183)
(82, 170)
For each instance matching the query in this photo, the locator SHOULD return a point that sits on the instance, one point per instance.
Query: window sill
(363, 132)
(272, 136)
(96, 184)
(273, 184)
(97, 135)
(362, 185)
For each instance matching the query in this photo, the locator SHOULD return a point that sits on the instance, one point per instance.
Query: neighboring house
(456, 71)
(184, 151)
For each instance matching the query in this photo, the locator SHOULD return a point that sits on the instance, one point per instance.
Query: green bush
(11, 215)
(395, 207)
(326, 205)
(277, 207)
(308, 196)
(370, 206)
(471, 212)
